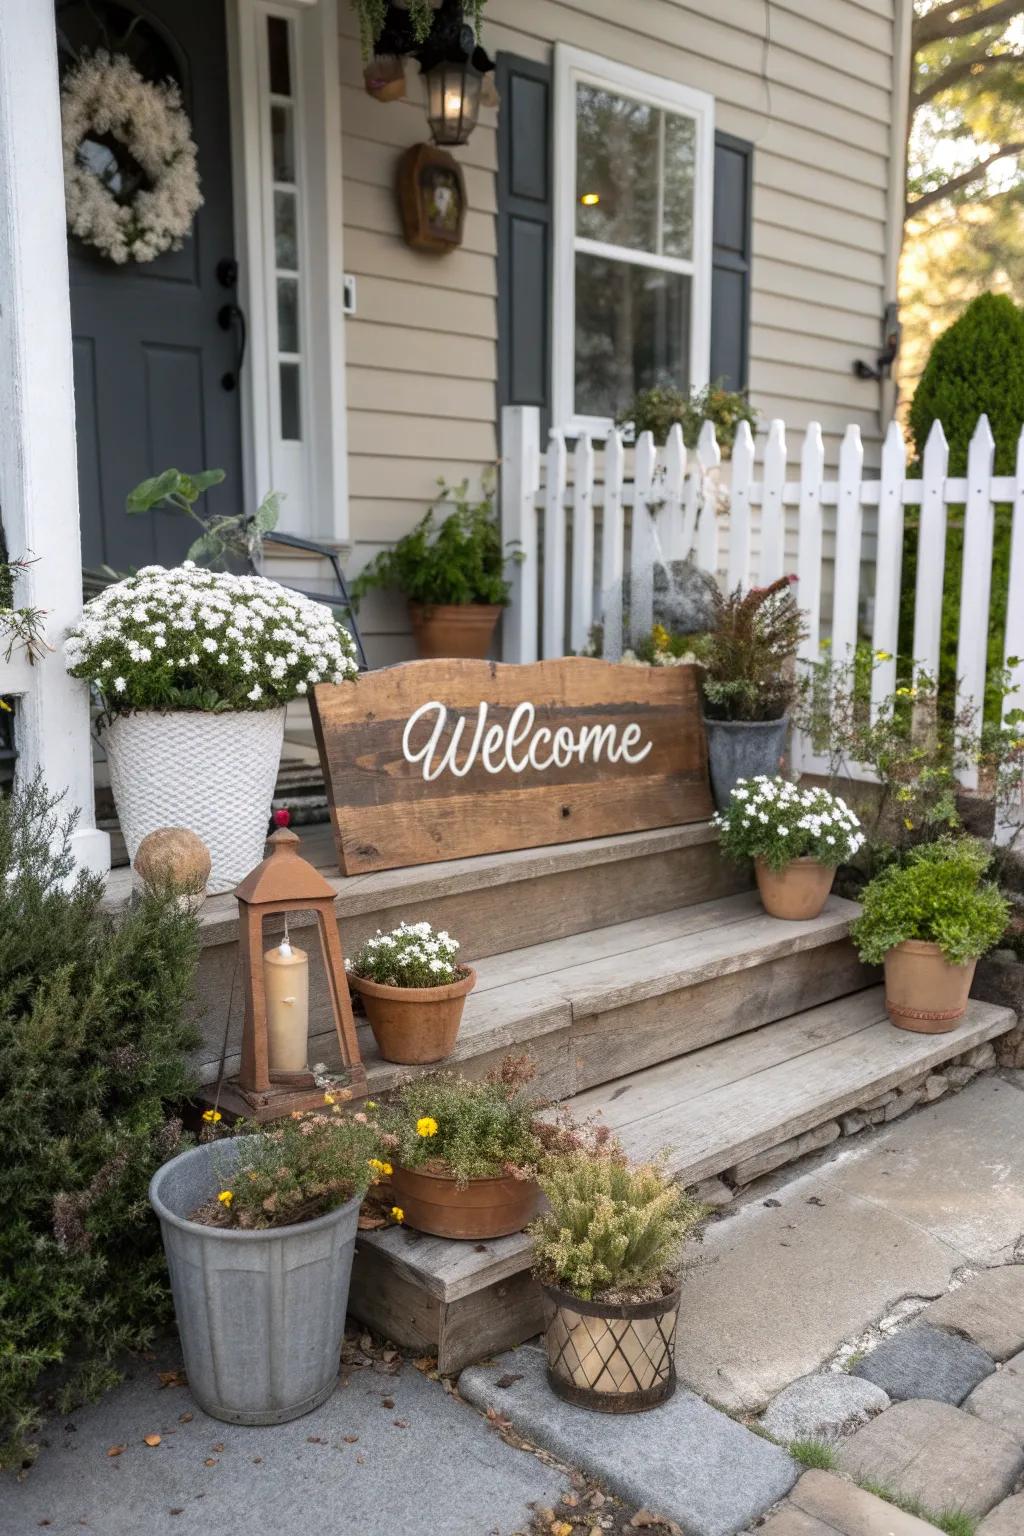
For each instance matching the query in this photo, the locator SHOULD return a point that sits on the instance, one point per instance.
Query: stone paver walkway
(823, 1505)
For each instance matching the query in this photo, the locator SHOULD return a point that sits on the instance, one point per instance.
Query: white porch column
(38, 472)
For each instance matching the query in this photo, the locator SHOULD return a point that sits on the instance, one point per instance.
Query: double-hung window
(633, 204)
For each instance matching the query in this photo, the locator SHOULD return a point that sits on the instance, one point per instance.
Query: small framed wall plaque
(431, 198)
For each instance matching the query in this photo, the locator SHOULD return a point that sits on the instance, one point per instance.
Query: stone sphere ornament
(177, 857)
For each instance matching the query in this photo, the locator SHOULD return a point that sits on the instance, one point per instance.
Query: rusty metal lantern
(282, 884)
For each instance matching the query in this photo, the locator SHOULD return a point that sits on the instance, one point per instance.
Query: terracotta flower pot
(923, 992)
(611, 1357)
(796, 892)
(414, 1025)
(431, 1201)
(454, 629)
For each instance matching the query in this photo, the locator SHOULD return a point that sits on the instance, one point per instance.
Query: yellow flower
(328, 1098)
(908, 824)
(384, 1169)
(906, 693)
(1016, 745)
(372, 1104)
(6, 707)
(426, 1125)
(211, 1116)
(226, 1196)
(883, 656)
(398, 1213)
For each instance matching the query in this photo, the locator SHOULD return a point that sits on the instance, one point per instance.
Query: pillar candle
(286, 982)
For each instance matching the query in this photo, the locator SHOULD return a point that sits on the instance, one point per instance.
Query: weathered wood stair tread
(527, 993)
(716, 1106)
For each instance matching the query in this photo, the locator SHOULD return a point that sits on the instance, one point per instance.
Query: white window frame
(571, 66)
(325, 515)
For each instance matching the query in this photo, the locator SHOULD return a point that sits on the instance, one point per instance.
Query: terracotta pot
(431, 1201)
(797, 892)
(611, 1357)
(454, 629)
(923, 992)
(413, 1025)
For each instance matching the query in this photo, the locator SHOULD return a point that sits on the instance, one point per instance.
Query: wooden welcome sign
(441, 759)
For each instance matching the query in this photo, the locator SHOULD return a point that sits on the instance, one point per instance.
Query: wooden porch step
(712, 1108)
(592, 1006)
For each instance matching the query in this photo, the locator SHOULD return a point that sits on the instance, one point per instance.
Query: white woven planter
(213, 773)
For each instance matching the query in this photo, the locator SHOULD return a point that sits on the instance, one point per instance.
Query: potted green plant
(607, 1251)
(658, 409)
(465, 1155)
(928, 920)
(274, 1212)
(194, 669)
(748, 682)
(452, 572)
(796, 837)
(414, 990)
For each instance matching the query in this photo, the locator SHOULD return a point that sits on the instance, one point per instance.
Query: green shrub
(938, 895)
(975, 367)
(457, 560)
(776, 821)
(611, 1229)
(657, 410)
(748, 656)
(92, 1044)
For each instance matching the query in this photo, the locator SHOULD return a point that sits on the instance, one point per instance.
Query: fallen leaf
(315, 1440)
(596, 1499)
(218, 1446)
(175, 1511)
(211, 1461)
(257, 1461)
(425, 1363)
(508, 1380)
(368, 1223)
(361, 1460)
(184, 1418)
(389, 1355)
(400, 1423)
(172, 1378)
(350, 1439)
(387, 1402)
(570, 1500)
(151, 1439)
(644, 1519)
(115, 1450)
(365, 1343)
(560, 1528)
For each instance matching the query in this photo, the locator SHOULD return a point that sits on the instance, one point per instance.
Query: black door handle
(228, 316)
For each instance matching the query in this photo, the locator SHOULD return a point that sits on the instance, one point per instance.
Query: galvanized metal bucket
(260, 1314)
(741, 749)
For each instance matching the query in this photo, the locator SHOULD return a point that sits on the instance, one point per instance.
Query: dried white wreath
(105, 96)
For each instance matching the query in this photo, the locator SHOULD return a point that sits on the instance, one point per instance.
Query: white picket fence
(580, 524)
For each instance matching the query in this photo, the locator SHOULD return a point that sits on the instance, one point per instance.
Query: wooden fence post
(582, 612)
(773, 513)
(888, 567)
(976, 581)
(520, 480)
(554, 547)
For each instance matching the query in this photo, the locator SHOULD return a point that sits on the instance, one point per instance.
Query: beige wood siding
(815, 98)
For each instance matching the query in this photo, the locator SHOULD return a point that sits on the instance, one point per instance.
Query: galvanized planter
(260, 1314)
(741, 749)
(611, 1357)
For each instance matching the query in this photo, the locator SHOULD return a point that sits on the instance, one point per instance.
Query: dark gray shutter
(524, 234)
(525, 239)
(730, 260)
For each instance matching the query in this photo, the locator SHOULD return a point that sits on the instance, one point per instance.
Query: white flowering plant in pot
(193, 670)
(797, 838)
(414, 989)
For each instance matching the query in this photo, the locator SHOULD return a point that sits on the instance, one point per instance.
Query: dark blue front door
(155, 372)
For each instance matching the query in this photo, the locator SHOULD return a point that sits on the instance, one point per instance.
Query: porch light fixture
(453, 100)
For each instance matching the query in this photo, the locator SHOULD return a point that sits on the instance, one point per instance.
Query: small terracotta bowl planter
(414, 1025)
(923, 992)
(432, 1201)
(796, 892)
(454, 629)
(612, 1357)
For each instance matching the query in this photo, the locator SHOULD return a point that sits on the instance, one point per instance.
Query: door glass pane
(282, 143)
(287, 314)
(280, 61)
(286, 239)
(291, 419)
(680, 159)
(632, 332)
(616, 169)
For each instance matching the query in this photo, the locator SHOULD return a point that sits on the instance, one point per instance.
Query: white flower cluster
(777, 821)
(411, 955)
(104, 95)
(188, 638)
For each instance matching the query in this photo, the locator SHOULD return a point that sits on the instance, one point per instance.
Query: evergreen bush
(92, 1043)
(975, 367)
